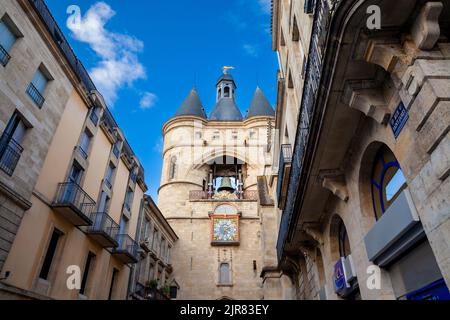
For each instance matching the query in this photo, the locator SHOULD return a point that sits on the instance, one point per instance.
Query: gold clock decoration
(225, 230)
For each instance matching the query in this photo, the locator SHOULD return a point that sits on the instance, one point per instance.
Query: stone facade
(79, 181)
(27, 54)
(197, 152)
(365, 79)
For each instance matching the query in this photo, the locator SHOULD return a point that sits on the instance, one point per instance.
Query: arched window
(226, 92)
(344, 243)
(225, 209)
(224, 273)
(387, 181)
(173, 168)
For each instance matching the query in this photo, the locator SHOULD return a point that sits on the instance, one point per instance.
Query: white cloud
(266, 6)
(148, 100)
(119, 64)
(250, 50)
(159, 146)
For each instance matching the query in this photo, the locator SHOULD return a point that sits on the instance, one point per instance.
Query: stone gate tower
(214, 193)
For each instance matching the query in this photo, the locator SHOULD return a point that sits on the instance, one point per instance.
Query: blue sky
(145, 56)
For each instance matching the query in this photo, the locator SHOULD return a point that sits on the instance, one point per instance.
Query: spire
(191, 106)
(260, 106)
(226, 108)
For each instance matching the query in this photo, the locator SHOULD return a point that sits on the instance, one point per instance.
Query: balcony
(104, 230)
(10, 152)
(35, 95)
(126, 250)
(199, 195)
(74, 204)
(284, 170)
(4, 56)
(313, 69)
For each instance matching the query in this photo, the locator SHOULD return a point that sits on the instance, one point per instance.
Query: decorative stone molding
(371, 102)
(334, 181)
(425, 30)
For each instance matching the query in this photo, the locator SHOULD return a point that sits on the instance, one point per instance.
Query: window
(344, 243)
(226, 92)
(155, 239)
(162, 248)
(224, 273)
(115, 272)
(85, 141)
(309, 6)
(173, 168)
(50, 254)
(94, 115)
(103, 203)
(128, 199)
(169, 248)
(10, 144)
(295, 31)
(116, 150)
(87, 270)
(7, 39)
(145, 229)
(387, 181)
(37, 86)
(109, 175)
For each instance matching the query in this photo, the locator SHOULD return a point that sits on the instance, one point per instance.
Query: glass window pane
(395, 185)
(7, 38)
(39, 81)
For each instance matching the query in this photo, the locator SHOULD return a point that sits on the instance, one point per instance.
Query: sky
(145, 56)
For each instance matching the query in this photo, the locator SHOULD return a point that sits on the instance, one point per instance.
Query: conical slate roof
(191, 106)
(226, 110)
(260, 106)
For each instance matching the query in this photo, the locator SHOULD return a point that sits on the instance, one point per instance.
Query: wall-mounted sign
(399, 119)
(340, 283)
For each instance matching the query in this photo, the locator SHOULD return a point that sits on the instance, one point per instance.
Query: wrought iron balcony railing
(323, 11)
(10, 152)
(284, 168)
(74, 203)
(198, 195)
(35, 95)
(127, 249)
(104, 229)
(4, 56)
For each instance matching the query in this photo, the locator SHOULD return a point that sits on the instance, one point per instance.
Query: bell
(225, 185)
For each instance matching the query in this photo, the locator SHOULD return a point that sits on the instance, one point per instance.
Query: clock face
(225, 230)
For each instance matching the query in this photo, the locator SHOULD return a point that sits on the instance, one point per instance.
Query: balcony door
(73, 181)
(11, 140)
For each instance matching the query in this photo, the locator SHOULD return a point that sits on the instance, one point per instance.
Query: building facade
(362, 185)
(214, 194)
(66, 162)
(153, 276)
